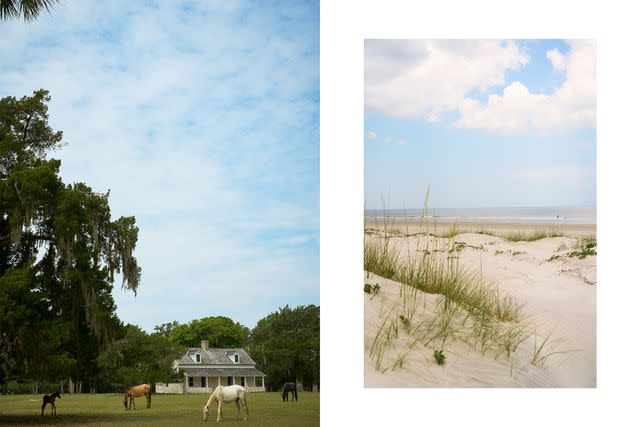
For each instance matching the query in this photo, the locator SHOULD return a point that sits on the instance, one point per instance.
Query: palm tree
(28, 9)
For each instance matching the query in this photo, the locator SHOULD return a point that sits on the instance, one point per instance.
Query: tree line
(59, 253)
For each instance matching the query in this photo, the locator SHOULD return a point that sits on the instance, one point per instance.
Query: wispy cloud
(371, 135)
(202, 119)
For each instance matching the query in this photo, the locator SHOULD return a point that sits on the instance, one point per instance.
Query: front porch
(207, 383)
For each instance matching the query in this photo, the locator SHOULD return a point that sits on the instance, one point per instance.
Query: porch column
(218, 379)
(206, 383)
(233, 379)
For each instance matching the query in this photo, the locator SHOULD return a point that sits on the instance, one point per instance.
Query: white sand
(559, 297)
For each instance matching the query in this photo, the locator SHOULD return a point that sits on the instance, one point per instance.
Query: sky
(202, 119)
(482, 123)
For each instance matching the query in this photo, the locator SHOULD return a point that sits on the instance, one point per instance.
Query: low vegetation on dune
(584, 247)
(467, 309)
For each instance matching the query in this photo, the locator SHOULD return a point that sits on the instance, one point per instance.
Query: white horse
(228, 394)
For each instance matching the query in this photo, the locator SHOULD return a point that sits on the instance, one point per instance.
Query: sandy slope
(560, 298)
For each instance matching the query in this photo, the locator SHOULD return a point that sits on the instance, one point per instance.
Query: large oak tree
(58, 245)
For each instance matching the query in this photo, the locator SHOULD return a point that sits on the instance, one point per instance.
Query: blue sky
(484, 123)
(202, 118)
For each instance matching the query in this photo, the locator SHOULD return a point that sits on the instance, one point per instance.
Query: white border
(344, 25)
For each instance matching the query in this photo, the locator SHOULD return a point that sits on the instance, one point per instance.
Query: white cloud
(517, 110)
(422, 78)
(371, 135)
(558, 60)
(395, 141)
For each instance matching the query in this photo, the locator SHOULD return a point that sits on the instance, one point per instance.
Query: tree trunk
(71, 386)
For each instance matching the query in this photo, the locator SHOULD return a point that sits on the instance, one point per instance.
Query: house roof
(215, 356)
(223, 372)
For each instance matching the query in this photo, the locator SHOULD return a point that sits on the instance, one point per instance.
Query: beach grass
(584, 246)
(467, 309)
(453, 230)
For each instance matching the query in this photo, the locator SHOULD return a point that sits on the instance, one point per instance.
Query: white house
(205, 368)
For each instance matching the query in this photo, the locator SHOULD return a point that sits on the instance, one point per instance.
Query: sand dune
(559, 294)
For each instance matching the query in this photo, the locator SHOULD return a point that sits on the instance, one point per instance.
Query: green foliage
(521, 236)
(220, 331)
(286, 346)
(166, 329)
(59, 252)
(372, 289)
(28, 9)
(138, 357)
(32, 344)
(586, 247)
(406, 323)
(439, 356)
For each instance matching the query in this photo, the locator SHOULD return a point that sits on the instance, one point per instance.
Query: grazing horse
(51, 398)
(228, 394)
(137, 391)
(289, 387)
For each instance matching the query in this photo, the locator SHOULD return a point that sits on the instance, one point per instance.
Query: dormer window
(197, 358)
(236, 358)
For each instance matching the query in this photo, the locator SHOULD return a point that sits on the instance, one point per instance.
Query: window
(197, 358)
(242, 381)
(203, 382)
(258, 381)
(190, 381)
(236, 358)
(229, 380)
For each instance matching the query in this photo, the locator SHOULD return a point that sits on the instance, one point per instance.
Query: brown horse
(50, 398)
(137, 391)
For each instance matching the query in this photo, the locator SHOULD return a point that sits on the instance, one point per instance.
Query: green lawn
(265, 409)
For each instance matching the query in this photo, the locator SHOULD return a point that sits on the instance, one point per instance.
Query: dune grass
(467, 309)
(585, 246)
(521, 236)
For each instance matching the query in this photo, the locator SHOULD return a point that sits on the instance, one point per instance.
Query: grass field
(265, 409)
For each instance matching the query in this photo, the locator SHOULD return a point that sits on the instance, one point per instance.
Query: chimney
(204, 344)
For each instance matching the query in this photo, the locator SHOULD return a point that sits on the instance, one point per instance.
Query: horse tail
(149, 397)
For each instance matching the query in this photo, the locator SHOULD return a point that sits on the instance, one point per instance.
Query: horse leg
(149, 399)
(53, 408)
(237, 409)
(246, 409)
(219, 410)
(43, 405)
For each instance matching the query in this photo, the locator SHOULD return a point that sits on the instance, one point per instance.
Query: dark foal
(50, 398)
(289, 387)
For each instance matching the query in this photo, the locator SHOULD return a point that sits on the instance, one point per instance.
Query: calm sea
(542, 215)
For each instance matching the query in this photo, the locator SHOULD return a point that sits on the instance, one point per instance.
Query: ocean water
(527, 215)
